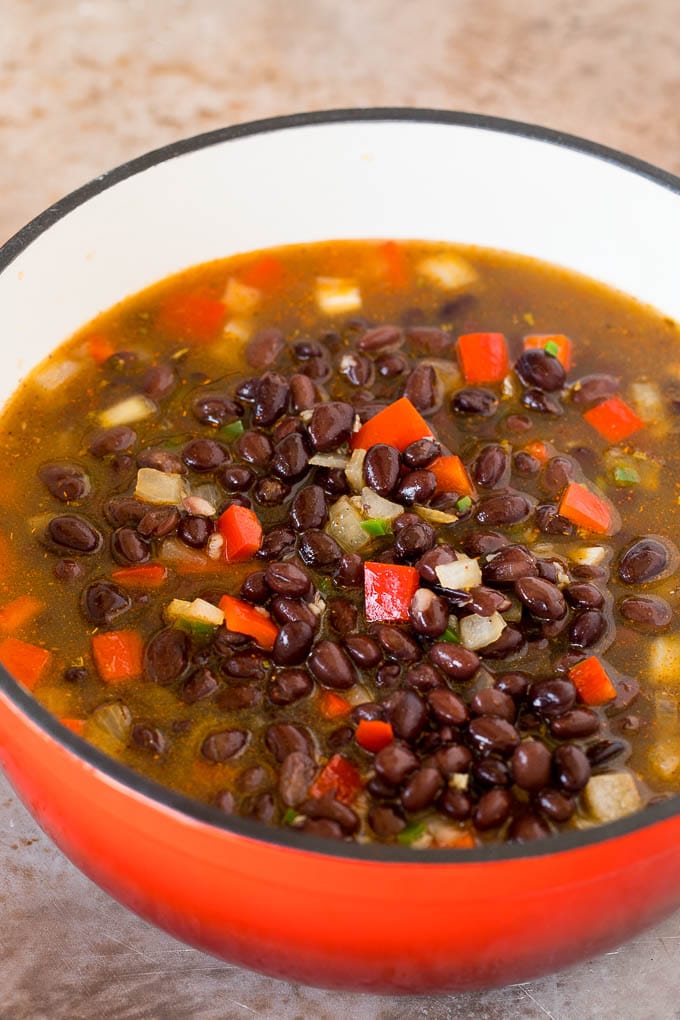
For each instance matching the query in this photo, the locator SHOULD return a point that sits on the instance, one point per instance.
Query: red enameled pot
(359, 917)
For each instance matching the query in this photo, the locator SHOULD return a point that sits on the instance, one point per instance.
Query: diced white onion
(433, 516)
(612, 795)
(329, 460)
(460, 575)
(375, 506)
(480, 631)
(450, 272)
(198, 611)
(664, 660)
(114, 718)
(588, 555)
(197, 505)
(344, 525)
(207, 491)
(241, 299)
(159, 487)
(459, 780)
(354, 472)
(335, 296)
(238, 329)
(177, 554)
(357, 695)
(214, 546)
(664, 757)
(176, 608)
(447, 372)
(647, 401)
(134, 408)
(56, 375)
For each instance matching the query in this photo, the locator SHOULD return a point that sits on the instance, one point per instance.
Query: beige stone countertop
(87, 85)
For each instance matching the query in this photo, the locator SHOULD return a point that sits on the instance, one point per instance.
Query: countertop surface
(87, 85)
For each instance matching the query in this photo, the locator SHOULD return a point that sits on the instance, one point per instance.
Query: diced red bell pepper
(333, 706)
(27, 663)
(394, 261)
(76, 726)
(242, 532)
(586, 510)
(338, 777)
(399, 425)
(592, 682)
(192, 315)
(539, 450)
(558, 340)
(19, 612)
(100, 348)
(148, 575)
(264, 274)
(374, 734)
(245, 619)
(483, 357)
(451, 475)
(118, 655)
(388, 590)
(614, 420)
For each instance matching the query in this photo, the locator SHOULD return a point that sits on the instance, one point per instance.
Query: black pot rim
(195, 810)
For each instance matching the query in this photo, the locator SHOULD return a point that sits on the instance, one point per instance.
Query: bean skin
(485, 601)
(455, 662)
(290, 460)
(319, 550)
(201, 684)
(397, 644)
(447, 707)
(216, 409)
(385, 821)
(282, 739)
(420, 453)
(302, 393)
(286, 578)
(297, 772)
(166, 656)
(264, 348)
(331, 666)
(511, 642)
(271, 398)
(65, 482)
(455, 803)
(556, 806)
(350, 572)
(158, 522)
(285, 610)
(114, 440)
(648, 612)
(204, 455)
(527, 828)
(128, 546)
(584, 595)
(484, 543)
(544, 600)
(491, 772)
(415, 540)
(103, 601)
(556, 475)
(363, 650)
(381, 468)
(255, 448)
(381, 338)
(514, 684)
(491, 701)
(491, 468)
(434, 558)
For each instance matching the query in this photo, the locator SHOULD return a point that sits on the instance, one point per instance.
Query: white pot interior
(400, 179)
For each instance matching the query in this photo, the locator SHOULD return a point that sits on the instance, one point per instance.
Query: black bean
(474, 401)
(275, 543)
(587, 628)
(265, 347)
(271, 398)
(391, 365)
(514, 684)
(159, 380)
(289, 686)
(433, 558)
(239, 696)
(70, 531)
(646, 559)
(292, 610)
(649, 612)
(385, 821)
(270, 491)
(114, 440)
(328, 808)
(397, 644)
(224, 744)
(527, 828)
(484, 543)
(149, 738)
(491, 467)
(486, 601)
(455, 803)
(331, 425)
(166, 656)
(552, 697)
(571, 767)
(455, 662)
(255, 589)
(381, 468)
(531, 765)
(417, 487)
(408, 715)
(357, 369)
(66, 482)
(331, 666)
(551, 522)
(244, 665)
(128, 546)
(556, 806)
(594, 388)
(423, 389)
(350, 572)
(453, 758)
(604, 751)
(103, 601)
(544, 600)
(290, 460)
(124, 510)
(342, 616)
(493, 808)
(204, 454)
(492, 772)
(68, 570)
(538, 369)
(322, 828)
(195, 531)
(395, 762)
(255, 448)
(584, 595)
(556, 475)
(333, 481)
(447, 707)
(302, 393)
(340, 737)
(320, 551)
(429, 613)
(363, 650)
(287, 578)
(574, 724)
(543, 403)
(158, 522)
(492, 701)
(518, 423)
(412, 542)
(306, 349)
(297, 772)
(319, 369)
(201, 684)
(284, 738)
(525, 464)
(511, 642)
(292, 644)
(381, 338)
(509, 565)
(161, 460)
(421, 789)
(491, 735)
(308, 509)
(421, 453)
(505, 508)
(367, 711)
(216, 409)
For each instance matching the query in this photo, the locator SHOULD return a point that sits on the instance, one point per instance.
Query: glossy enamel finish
(369, 918)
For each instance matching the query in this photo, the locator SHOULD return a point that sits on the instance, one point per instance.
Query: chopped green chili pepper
(232, 431)
(463, 504)
(552, 349)
(376, 527)
(626, 476)
(290, 816)
(451, 636)
(411, 833)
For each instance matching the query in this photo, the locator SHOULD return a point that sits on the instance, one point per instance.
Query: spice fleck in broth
(368, 539)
